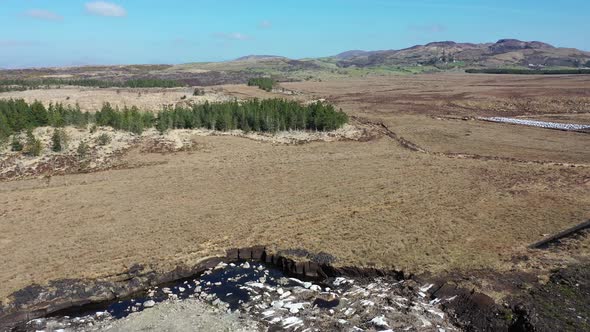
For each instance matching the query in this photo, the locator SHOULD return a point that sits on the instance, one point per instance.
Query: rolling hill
(433, 57)
(505, 52)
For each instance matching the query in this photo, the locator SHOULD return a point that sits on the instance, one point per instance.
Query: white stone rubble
(535, 123)
(295, 305)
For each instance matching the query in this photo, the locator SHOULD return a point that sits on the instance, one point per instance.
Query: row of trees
(268, 115)
(13, 88)
(264, 83)
(129, 119)
(131, 83)
(18, 115)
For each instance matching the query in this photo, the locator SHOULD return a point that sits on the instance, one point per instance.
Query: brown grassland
(474, 199)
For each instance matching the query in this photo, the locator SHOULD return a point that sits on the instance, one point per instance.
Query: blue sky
(72, 32)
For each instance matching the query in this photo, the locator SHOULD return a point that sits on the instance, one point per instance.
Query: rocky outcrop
(39, 301)
(470, 310)
(271, 299)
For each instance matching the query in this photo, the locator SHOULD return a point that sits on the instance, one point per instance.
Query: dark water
(326, 304)
(226, 284)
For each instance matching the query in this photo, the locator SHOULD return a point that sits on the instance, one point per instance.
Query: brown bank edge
(469, 310)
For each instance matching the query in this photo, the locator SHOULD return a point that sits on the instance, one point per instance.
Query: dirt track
(369, 203)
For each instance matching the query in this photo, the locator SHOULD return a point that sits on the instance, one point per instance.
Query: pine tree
(58, 140)
(33, 145)
(82, 149)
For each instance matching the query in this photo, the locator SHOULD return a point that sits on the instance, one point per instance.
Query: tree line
(264, 83)
(268, 115)
(517, 71)
(131, 83)
(18, 115)
(13, 88)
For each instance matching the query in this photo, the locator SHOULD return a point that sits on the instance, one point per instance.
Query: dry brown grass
(457, 94)
(369, 203)
(92, 99)
(426, 109)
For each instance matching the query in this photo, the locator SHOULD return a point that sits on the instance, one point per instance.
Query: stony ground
(252, 297)
(187, 315)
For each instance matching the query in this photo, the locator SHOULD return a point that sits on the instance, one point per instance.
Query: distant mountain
(505, 52)
(442, 54)
(258, 57)
(351, 54)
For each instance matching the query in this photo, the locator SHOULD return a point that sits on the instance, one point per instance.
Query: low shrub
(103, 139)
(16, 145)
(82, 150)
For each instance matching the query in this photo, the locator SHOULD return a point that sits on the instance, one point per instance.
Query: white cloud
(232, 36)
(103, 8)
(266, 24)
(42, 14)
